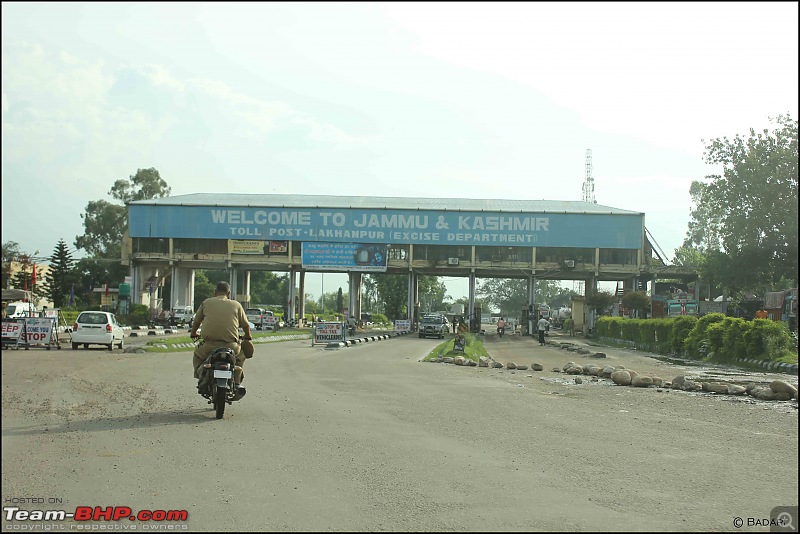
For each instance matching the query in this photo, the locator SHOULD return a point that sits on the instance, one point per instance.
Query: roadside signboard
(11, 331)
(402, 325)
(39, 331)
(328, 332)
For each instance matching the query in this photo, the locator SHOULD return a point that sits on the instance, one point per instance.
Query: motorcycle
(222, 390)
(501, 330)
(351, 330)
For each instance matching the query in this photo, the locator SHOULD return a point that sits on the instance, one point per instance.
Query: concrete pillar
(531, 302)
(290, 297)
(182, 287)
(472, 302)
(302, 304)
(233, 282)
(354, 295)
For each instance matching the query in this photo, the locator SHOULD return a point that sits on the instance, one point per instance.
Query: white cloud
(670, 73)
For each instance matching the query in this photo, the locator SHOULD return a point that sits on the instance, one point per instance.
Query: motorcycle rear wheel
(219, 401)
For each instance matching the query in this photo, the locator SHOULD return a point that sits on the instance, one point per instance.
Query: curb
(351, 342)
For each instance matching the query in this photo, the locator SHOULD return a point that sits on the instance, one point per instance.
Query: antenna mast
(588, 182)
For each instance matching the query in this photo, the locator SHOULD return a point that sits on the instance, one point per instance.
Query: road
(368, 438)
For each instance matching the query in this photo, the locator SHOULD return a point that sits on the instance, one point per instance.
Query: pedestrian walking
(542, 325)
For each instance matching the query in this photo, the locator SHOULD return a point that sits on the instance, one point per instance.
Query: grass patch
(473, 349)
(787, 357)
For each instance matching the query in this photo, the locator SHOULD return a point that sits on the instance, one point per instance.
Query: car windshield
(431, 319)
(93, 318)
(253, 311)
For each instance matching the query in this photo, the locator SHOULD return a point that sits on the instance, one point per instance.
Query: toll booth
(523, 321)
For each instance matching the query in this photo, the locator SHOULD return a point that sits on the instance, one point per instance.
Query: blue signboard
(385, 226)
(344, 257)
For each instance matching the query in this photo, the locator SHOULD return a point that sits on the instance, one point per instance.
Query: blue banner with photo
(344, 257)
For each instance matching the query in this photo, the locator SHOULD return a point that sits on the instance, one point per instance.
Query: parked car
(97, 328)
(182, 315)
(261, 317)
(21, 309)
(434, 325)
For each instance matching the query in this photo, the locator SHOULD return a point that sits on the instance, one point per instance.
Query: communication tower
(588, 182)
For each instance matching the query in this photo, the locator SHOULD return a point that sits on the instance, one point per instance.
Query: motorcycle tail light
(223, 366)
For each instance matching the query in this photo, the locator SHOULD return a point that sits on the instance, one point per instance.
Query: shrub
(662, 332)
(681, 326)
(712, 342)
(698, 333)
(609, 327)
(630, 330)
(139, 314)
(733, 342)
(766, 339)
(647, 332)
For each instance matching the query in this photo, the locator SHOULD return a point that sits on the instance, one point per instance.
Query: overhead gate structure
(168, 238)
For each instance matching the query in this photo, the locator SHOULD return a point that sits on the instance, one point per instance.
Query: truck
(673, 299)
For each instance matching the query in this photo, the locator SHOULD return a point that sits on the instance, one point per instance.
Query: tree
(600, 301)
(144, 185)
(11, 253)
(393, 292)
(23, 279)
(203, 288)
(61, 275)
(267, 288)
(511, 295)
(105, 223)
(370, 292)
(745, 221)
(432, 293)
(638, 301)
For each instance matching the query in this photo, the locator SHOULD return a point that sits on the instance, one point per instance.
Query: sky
(452, 100)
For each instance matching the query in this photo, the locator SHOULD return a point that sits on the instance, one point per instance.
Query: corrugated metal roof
(397, 203)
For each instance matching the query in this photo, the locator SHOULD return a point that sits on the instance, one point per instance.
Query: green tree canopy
(61, 275)
(600, 301)
(638, 301)
(11, 252)
(745, 220)
(511, 295)
(393, 292)
(105, 223)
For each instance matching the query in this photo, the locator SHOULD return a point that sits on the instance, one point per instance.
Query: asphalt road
(368, 438)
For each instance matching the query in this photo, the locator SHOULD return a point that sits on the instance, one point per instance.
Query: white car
(97, 328)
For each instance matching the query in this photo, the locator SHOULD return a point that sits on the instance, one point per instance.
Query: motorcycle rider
(221, 319)
(352, 325)
(501, 324)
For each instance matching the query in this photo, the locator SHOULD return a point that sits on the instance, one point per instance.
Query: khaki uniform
(220, 318)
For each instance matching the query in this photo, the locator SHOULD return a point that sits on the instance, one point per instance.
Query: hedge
(713, 335)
